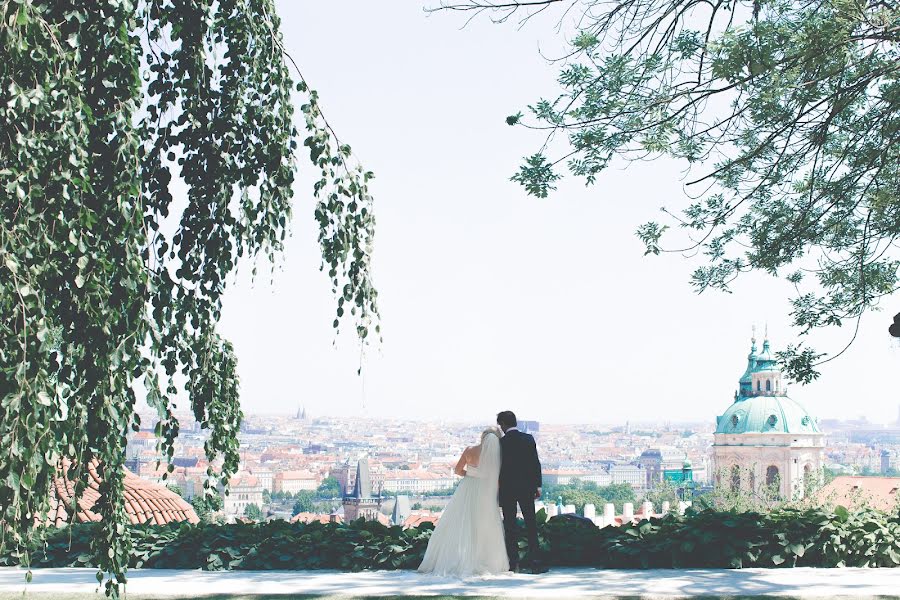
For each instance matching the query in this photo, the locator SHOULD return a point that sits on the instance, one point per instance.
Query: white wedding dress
(468, 540)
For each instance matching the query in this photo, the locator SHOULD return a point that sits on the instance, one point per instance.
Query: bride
(468, 540)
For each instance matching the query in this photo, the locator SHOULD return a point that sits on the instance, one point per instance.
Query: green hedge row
(708, 538)
(711, 539)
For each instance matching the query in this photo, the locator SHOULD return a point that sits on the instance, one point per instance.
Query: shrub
(783, 538)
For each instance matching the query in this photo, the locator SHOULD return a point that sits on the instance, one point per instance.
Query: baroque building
(765, 438)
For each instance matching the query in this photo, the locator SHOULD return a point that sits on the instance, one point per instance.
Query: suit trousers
(508, 505)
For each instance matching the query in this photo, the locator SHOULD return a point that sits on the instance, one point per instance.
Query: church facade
(765, 440)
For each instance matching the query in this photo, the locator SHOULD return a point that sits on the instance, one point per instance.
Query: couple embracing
(470, 539)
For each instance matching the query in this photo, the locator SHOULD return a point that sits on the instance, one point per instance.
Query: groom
(520, 484)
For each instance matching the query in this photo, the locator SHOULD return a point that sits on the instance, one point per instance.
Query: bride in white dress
(468, 540)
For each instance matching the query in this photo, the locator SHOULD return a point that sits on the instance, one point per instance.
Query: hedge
(783, 538)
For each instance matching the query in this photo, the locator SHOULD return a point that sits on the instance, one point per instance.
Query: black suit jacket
(520, 471)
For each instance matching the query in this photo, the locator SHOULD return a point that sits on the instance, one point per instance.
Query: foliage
(790, 111)
(110, 283)
(439, 493)
(705, 539)
(329, 488)
(739, 490)
(305, 502)
(270, 545)
(252, 511)
(580, 493)
(712, 539)
(205, 505)
(664, 491)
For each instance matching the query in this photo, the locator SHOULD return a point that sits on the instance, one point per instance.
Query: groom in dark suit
(520, 485)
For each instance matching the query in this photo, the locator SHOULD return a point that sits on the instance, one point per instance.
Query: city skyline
(491, 299)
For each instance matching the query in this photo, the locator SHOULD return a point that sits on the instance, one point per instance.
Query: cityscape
(304, 467)
(450, 298)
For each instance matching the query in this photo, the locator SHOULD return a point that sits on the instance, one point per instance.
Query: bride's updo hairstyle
(490, 431)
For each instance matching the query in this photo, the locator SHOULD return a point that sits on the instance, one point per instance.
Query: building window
(735, 478)
(772, 476)
(768, 385)
(758, 385)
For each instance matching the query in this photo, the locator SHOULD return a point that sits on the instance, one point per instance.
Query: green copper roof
(763, 411)
(766, 414)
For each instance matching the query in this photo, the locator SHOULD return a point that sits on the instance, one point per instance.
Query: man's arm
(538, 478)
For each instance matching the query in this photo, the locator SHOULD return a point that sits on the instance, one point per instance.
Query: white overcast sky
(492, 299)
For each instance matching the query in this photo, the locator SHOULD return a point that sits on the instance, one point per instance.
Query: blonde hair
(490, 431)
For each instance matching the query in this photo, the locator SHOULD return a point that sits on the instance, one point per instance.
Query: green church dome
(765, 407)
(766, 414)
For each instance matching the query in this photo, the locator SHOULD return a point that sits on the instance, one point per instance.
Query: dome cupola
(761, 404)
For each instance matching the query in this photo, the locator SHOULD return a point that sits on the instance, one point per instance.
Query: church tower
(360, 504)
(764, 438)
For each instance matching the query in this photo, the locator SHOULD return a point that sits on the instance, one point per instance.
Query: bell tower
(361, 504)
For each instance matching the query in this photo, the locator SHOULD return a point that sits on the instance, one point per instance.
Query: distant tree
(329, 488)
(205, 505)
(580, 493)
(253, 512)
(174, 487)
(416, 506)
(787, 109)
(304, 502)
(439, 493)
(267, 497)
(663, 491)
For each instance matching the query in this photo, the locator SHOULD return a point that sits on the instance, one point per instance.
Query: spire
(753, 340)
(401, 510)
(363, 486)
(766, 339)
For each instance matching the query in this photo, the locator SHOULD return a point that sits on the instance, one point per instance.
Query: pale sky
(491, 299)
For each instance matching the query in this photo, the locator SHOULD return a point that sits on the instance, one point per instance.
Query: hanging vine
(111, 279)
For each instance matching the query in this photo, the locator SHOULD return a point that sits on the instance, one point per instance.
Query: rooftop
(144, 501)
(878, 492)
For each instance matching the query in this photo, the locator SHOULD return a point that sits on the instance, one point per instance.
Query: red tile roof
(306, 517)
(855, 491)
(145, 502)
(419, 517)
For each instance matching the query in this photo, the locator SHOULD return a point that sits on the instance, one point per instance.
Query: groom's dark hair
(507, 419)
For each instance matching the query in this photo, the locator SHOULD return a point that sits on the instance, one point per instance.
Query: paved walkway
(802, 582)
